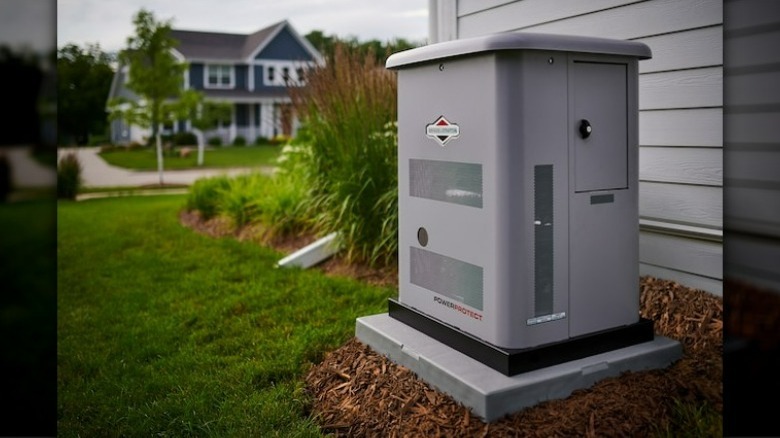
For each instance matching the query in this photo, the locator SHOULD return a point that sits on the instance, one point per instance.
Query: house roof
(211, 45)
(229, 46)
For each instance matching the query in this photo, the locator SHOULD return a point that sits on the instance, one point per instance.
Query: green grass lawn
(166, 332)
(229, 156)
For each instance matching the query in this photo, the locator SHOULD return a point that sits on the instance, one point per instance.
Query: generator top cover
(518, 41)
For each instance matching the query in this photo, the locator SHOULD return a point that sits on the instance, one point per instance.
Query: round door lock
(585, 128)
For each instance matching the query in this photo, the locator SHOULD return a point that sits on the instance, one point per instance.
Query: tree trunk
(201, 144)
(159, 156)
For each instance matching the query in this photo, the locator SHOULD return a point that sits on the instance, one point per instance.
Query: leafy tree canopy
(84, 77)
(326, 44)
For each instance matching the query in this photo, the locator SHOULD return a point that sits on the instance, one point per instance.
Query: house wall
(120, 132)
(241, 72)
(260, 72)
(752, 141)
(680, 119)
(284, 46)
(196, 76)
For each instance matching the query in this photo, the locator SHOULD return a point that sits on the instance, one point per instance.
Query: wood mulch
(357, 392)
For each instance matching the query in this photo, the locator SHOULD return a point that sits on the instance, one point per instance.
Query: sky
(28, 24)
(109, 22)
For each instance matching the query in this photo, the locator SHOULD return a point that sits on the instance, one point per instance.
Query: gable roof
(233, 47)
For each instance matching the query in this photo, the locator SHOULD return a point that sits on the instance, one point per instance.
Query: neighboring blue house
(250, 71)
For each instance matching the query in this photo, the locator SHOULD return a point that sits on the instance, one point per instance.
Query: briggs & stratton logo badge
(442, 130)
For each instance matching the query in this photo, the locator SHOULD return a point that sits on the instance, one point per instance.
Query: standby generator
(518, 212)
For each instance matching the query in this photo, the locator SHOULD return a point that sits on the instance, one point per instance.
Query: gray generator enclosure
(518, 178)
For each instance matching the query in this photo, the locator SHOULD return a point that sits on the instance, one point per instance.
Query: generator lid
(518, 41)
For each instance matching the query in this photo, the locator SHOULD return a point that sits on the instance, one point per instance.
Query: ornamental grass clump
(205, 195)
(275, 202)
(348, 109)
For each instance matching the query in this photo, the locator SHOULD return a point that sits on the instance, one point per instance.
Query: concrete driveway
(26, 171)
(97, 173)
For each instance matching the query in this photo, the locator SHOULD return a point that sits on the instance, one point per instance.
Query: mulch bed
(358, 392)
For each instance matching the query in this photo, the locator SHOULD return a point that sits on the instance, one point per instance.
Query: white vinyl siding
(752, 173)
(681, 112)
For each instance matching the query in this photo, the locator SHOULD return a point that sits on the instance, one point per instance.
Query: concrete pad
(489, 393)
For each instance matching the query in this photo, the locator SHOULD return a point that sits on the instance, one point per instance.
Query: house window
(285, 74)
(301, 75)
(219, 76)
(271, 75)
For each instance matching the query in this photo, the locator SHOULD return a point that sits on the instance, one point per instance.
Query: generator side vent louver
(543, 240)
(453, 278)
(448, 181)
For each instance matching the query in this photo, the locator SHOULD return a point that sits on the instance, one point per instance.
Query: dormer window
(220, 76)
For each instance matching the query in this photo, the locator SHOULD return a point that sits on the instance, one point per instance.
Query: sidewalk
(97, 173)
(25, 171)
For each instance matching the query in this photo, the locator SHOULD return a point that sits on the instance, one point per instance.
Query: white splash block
(311, 254)
(490, 394)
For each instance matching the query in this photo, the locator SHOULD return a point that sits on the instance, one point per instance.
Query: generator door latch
(585, 128)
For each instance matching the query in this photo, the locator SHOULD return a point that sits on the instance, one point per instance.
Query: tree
(83, 81)
(326, 44)
(156, 76)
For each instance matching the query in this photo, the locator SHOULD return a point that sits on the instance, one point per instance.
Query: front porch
(253, 120)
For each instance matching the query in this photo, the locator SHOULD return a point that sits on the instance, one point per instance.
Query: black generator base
(515, 361)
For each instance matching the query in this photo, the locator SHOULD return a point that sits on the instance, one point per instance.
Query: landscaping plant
(278, 203)
(205, 195)
(68, 177)
(348, 108)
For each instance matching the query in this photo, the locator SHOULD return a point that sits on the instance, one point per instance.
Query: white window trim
(232, 70)
(279, 66)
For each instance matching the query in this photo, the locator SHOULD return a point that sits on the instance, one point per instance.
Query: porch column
(267, 119)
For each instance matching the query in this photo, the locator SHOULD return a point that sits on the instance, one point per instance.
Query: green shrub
(68, 177)
(348, 108)
(205, 195)
(277, 203)
(238, 200)
(185, 139)
(215, 141)
(240, 140)
(260, 140)
(282, 206)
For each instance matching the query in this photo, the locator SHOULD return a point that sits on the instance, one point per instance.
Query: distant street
(97, 173)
